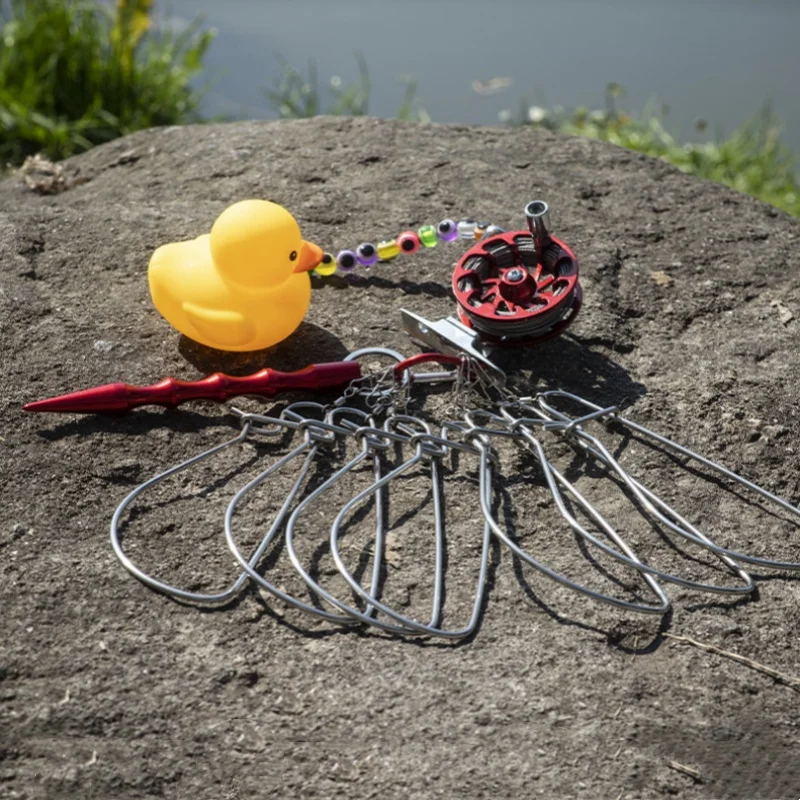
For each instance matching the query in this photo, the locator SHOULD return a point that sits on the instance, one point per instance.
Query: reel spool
(518, 288)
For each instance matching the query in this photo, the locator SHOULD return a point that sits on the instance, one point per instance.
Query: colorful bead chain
(365, 255)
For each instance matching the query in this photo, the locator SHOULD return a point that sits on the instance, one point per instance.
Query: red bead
(409, 242)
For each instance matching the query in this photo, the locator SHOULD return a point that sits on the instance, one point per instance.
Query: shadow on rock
(429, 288)
(646, 633)
(139, 422)
(567, 363)
(309, 343)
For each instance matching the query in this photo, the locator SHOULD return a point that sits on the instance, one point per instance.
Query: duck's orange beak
(310, 256)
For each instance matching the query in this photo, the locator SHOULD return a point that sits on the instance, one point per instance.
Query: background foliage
(75, 73)
(751, 159)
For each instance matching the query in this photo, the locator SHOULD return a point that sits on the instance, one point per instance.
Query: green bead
(388, 249)
(427, 235)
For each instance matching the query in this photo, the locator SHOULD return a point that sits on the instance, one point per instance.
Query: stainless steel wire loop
(372, 422)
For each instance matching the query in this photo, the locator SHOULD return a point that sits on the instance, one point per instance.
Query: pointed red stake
(172, 392)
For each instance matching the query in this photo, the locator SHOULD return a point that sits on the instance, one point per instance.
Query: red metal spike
(119, 397)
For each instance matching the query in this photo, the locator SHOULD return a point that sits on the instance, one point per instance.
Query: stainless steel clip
(450, 336)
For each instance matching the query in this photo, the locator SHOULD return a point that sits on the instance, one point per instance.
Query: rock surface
(691, 313)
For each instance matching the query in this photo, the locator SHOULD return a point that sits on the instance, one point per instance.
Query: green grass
(76, 73)
(751, 160)
(298, 96)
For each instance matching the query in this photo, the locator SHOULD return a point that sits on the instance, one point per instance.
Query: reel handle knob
(537, 215)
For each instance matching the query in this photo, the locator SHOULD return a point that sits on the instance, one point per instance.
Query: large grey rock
(111, 691)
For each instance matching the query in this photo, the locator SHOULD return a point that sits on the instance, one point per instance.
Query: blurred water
(718, 60)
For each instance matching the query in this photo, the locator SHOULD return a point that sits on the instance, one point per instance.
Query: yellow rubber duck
(242, 287)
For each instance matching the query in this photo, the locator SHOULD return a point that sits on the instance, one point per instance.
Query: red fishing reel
(518, 288)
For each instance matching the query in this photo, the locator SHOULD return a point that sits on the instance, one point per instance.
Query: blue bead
(366, 254)
(346, 261)
(447, 230)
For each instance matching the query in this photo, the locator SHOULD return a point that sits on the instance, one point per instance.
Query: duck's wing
(225, 329)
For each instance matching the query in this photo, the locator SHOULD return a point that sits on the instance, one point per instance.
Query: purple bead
(447, 230)
(346, 261)
(366, 254)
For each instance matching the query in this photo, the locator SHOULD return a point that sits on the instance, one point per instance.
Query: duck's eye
(293, 255)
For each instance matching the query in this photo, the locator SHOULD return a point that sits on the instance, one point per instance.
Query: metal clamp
(451, 337)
